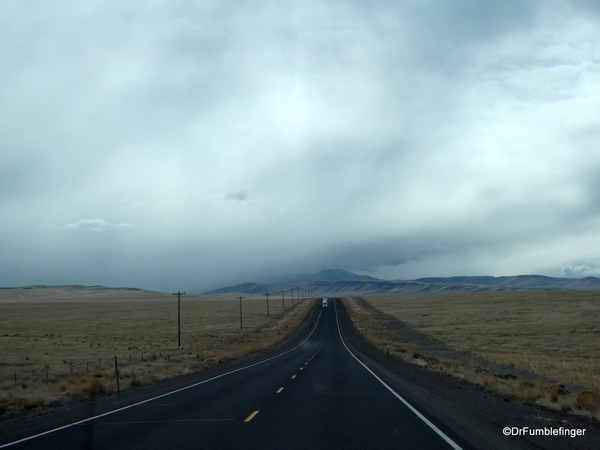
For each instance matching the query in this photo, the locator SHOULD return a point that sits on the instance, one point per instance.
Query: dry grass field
(541, 346)
(59, 343)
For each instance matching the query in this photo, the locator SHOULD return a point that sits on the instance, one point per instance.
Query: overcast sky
(174, 145)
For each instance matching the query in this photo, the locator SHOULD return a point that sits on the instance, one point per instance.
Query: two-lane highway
(315, 396)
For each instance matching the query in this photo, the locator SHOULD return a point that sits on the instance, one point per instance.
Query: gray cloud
(96, 225)
(237, 196)
(586, 6)
(190, 145)
(582, 269)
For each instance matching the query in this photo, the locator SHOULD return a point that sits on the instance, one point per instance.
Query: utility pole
(267, 294)
(179, 294)
(283, 299)
(292, 290)
(240, 311)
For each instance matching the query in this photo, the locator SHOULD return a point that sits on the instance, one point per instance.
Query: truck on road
(325, 303)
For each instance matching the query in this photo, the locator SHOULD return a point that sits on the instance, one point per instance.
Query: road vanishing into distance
(315, 396)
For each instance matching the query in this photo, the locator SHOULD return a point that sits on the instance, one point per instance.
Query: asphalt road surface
(314, 396)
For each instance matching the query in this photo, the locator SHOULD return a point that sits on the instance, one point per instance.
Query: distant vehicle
(325, 303)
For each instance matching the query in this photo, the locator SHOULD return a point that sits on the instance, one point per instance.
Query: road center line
(279, 390)
(251, 416)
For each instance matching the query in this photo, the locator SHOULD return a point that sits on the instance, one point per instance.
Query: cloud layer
(193, 145)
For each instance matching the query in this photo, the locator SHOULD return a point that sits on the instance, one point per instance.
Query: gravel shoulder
(477, 415)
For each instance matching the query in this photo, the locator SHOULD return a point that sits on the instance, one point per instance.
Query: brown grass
(59, 343)
(588, 399)
(96, 387)
(555, 392)
(546, 335)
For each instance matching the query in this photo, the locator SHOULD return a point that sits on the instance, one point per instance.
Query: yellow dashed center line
(279, 390)
(301, 368)
(251, 416)
(293, 376)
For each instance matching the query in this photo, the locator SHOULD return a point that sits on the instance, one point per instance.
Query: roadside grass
(537, 346)
(59, 343)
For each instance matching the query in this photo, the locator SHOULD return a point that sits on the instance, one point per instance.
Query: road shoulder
(477, 415)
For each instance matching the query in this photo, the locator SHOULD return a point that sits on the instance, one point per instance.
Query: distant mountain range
(323, 275)
(300, 280)
(337, 282)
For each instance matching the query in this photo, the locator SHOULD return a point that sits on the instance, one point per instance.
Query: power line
(18, 273)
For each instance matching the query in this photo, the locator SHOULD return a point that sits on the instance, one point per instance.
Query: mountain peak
(324, 275)
(339, 275)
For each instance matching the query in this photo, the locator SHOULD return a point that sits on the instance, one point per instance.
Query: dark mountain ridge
(322, 275)
(362, 285)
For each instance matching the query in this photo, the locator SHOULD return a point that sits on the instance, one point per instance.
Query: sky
(174, 145)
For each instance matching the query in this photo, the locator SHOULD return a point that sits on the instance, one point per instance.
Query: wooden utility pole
(240, 311)
(179, 294)
(267, 294)
(117, 377)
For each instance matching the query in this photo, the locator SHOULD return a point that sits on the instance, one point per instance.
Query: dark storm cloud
(586, 6)
(472, 21)
(369, 255)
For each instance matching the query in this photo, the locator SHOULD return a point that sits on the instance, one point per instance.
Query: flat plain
(59, 343)
(541, 346)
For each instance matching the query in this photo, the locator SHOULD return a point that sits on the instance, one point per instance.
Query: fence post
(117, 377)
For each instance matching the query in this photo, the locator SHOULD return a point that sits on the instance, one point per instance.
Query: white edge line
(166, 394)
(453, 444)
